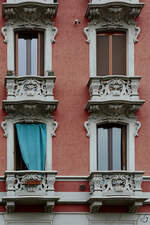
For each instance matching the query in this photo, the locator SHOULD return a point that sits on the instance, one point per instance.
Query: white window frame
(132, 130)
(49, 34)
(8, 127)
(132, 32)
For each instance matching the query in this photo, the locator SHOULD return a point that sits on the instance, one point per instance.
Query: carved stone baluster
(138, 181)
(94, 89)
(134, 87)
(10, 86)
(10, 182)
(50, 183)
(49, 87)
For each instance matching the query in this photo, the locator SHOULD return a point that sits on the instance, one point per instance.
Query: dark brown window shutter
(102, 54)
(118, 54)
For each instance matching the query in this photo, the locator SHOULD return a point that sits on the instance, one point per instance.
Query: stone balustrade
(116, 188)
(30, 187)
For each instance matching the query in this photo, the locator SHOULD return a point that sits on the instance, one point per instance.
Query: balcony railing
(116, 188)
(24, 186)
(110, 1)
(113, 91)
(30, 93)
(41, 1)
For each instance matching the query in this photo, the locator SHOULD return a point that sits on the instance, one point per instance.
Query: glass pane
(34, 56)
(102, 149)
(116, 148)
(102, 54)
(118, 54)
(21, 57)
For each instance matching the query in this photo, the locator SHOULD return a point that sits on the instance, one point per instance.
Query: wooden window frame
(110, 148)
(40, 52)
(110, 58)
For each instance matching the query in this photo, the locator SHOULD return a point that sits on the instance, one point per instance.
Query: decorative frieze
(116, 187)
(22, 185)
(114, 95)
(113, 13)
(29, 12)
(29, 94)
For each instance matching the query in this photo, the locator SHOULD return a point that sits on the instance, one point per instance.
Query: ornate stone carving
(29, 96)
(23, 185)
(4, 127)
(107, 182)
(86, 126)
(114, 186)
(22, 182)
(4, 33)
(87, 34)
(29, 13)
(53, 34)
(54, 127)
(113, 13)
(114, 95)
(137, 32)
(137, 127)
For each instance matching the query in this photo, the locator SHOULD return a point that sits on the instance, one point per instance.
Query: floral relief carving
(30, 182)
(4, 33)
(29, 13)
(124, 182)
(4, 127)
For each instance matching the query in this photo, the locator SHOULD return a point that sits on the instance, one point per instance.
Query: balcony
(114, 95)
(116, 188)
(30, 188)
(113, 12)
(28, 95)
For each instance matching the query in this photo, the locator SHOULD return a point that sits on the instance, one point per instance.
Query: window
(111, 148)
(30, 146)
(29, 54)
(111, 53)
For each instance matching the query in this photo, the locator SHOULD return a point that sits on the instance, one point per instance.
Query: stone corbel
(5, 35)
(4, 127)
(95, 206)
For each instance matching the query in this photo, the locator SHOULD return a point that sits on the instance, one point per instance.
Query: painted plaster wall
(71, 67)
(142, 67)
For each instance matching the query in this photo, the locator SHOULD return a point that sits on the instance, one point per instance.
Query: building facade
(74, 112)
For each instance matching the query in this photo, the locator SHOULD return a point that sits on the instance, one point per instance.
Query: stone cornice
(29, 13)
(114, 13)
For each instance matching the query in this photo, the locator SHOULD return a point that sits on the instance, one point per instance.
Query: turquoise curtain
(32, 140)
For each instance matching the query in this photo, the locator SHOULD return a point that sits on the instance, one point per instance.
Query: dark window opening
(18, 160)
(111, 54)
(111, 147)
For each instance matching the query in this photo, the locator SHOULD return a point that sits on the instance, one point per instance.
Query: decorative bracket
(86, 126)
(4, 127)
(5, 35)
(137, 32)
(87, 34)
(54, 127)
(137, 125)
